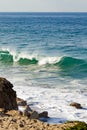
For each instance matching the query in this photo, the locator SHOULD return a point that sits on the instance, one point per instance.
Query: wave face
(25, 61)
(6, 57)
(76, 68)
(66, 65)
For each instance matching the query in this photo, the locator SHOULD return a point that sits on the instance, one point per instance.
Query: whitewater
(44, 55)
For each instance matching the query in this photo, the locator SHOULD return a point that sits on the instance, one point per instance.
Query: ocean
(44, 55)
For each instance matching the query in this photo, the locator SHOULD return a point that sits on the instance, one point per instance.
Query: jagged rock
(34, 115)
(31, 114)
(7, 95)
(21, 102)
(76, 105)
(44, 114)
(27, 110)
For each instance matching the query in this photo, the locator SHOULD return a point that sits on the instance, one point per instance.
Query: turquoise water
(44, 50)
(28, 38)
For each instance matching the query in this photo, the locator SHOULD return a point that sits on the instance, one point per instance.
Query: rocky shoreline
(11, 118)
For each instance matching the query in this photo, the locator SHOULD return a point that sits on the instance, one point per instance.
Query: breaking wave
(64, 63)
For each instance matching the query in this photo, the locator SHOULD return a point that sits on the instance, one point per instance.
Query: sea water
(44, 55)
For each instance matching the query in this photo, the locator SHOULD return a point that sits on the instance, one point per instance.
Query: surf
(64, 63)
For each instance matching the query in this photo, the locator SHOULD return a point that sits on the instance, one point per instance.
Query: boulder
(44, 114)
(34, 115)
(31, 114)
(7, 95)
(76, 105)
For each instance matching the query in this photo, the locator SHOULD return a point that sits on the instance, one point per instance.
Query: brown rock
(44, 114)
(21, 102)
(7, 95)
(34, 115)
(76, 105)
(2, 110)
(27, 110)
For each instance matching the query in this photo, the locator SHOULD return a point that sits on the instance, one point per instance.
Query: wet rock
(34, 115)
(7, 95)
(43, 114)
(76, 105)
(21, 102)
(27, 110)
(31, 115)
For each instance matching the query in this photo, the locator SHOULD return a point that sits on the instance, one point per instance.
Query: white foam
(42, 60)
(49, 60)
(55, 101)
(43, 97)
(5, 49)
(28, 56)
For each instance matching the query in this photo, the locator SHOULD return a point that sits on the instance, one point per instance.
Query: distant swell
(68, 64)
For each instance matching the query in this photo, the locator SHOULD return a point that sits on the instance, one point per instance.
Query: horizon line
(42, 12)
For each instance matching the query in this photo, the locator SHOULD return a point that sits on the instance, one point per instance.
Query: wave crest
(65, 63)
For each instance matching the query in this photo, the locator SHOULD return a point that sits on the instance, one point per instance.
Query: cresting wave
(7, 57)
(64, 63)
